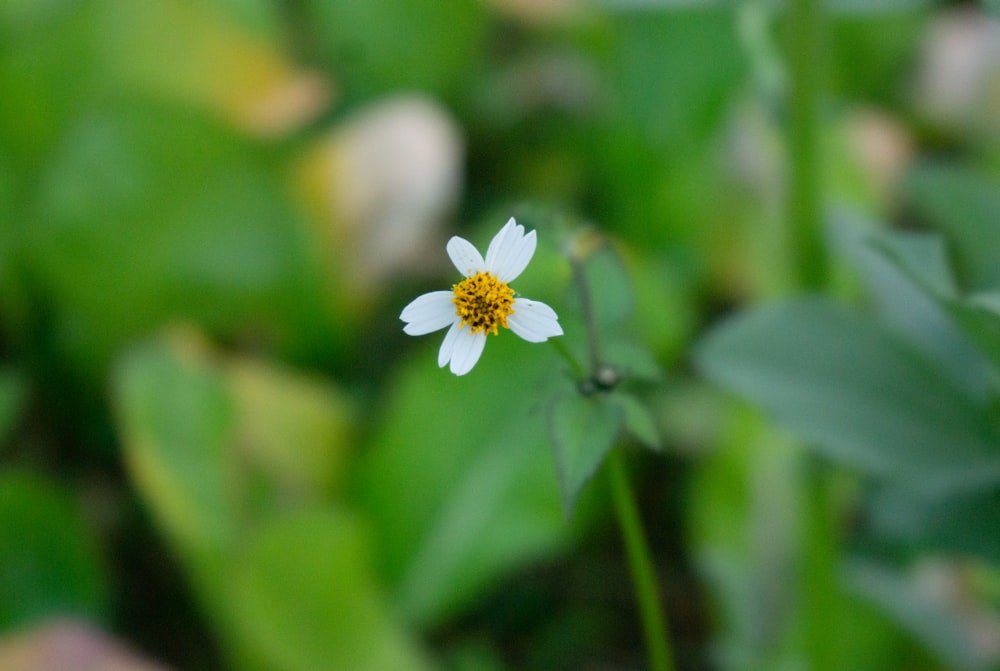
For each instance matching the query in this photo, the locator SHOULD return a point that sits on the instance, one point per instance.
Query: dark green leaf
(147, 216)
(11, 400)
(177, 423)
(981, 324)
(963, 524)
(953, 322)
(856, 393)
(905, 273)
(608, 286)
(369, 41)
(698, 62)
(638, 419)
(48, 559)
(458, 478)
(964, 205)
(946, 627)
(862, 8)
(304, 598)
(583, 430)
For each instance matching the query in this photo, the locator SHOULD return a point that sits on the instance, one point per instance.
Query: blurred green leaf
(767, 552)
(11, 401)
(964, 205)
(856, 393)
(922, 256)
(296, 429)
(629, 358)
(674, 72)
(608, 286)
(49, 564)
(904, 274)
(147, 216)
(962, 524)
(942, 626)
(459, 479)
(177, 422)
(42, 43)
(872, 45)
(868, 7)
(214, 445)
(981, 324)
(743, 516)
(583, 430)
(367, 42)
(638, 419)
(971, 319)
(304, 598)
(260, 16)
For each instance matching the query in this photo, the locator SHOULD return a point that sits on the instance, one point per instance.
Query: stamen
(483, 302)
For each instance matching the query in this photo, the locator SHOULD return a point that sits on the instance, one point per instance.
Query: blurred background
(218, 450)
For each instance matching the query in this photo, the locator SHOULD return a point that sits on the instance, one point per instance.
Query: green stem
(574, 365)
(640, 565)
(805, 211)
(593, 341)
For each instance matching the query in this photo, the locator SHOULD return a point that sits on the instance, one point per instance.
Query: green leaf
(296, 429)
(608, 286)
(921, 256)
(177, 422)
(11, 402)
(145, 216)
(630, 359)
(48, 559)
(766, 551)
(458, 478)
(638, 419)
(698, 64)
(905, 273)
(862, 8)
(583, 429)
(856, 393)
(304, 598)
(956, 525)
(980, 323)
(952, 322)
(744, 510)
(368, 40)
(946, 628)
(964, 205)
(214, 445)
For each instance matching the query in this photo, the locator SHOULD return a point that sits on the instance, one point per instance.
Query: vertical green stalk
(654, 624)
(805, 208)
(817, 578)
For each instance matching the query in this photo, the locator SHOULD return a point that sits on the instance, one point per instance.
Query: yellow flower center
(483, 302)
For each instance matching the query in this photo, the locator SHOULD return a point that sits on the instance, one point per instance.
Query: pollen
(483, 302)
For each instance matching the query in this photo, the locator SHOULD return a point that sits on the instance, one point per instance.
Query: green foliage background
(217, 445)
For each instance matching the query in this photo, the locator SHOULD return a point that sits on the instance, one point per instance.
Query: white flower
(483, 301)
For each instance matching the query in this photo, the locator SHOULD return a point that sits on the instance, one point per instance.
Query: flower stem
(640, 565)
(590, 322)
(574, 364)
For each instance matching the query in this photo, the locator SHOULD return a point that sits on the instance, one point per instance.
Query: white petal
(534, 321)
(468, 348)
(509, 233)
(465, 256)
(510, 251)
(448, 346)
(428, 313)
